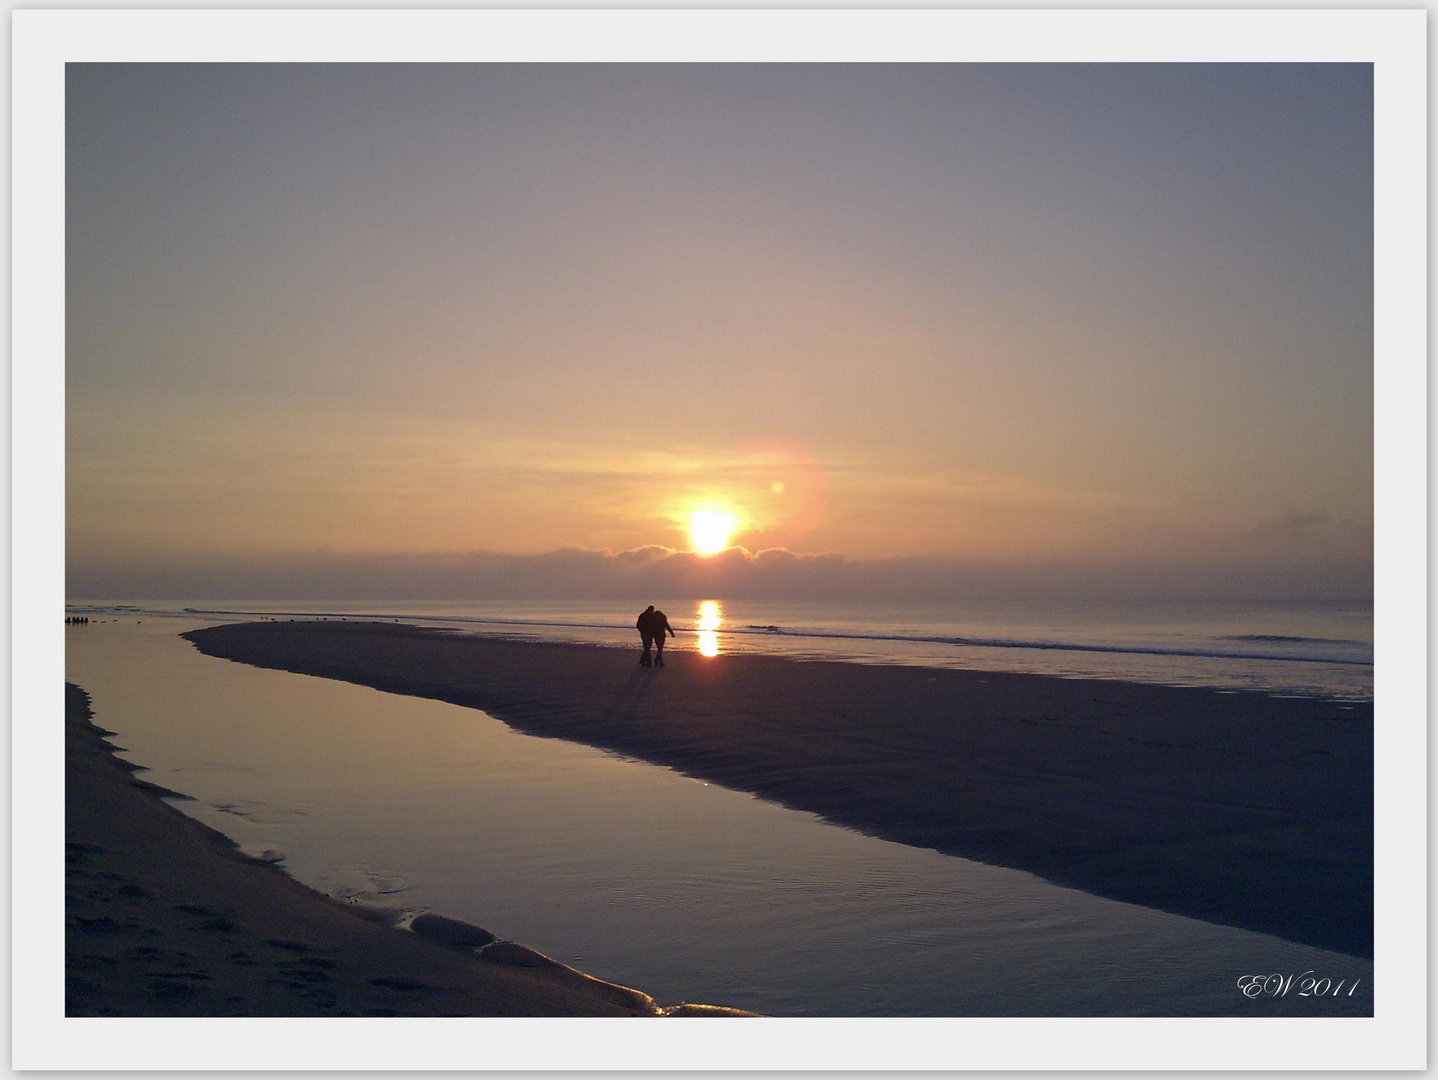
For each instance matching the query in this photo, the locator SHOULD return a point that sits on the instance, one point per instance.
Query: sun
(710, 530)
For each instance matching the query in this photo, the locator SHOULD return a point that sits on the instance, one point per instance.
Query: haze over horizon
(1001, 329)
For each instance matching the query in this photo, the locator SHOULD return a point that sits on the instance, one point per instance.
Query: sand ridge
(1237, 808)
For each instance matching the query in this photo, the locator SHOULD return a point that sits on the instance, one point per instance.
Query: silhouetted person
(645, 625)
(660, 624)
(652, 626)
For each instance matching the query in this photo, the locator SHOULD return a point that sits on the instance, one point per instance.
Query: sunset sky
(1007, 316)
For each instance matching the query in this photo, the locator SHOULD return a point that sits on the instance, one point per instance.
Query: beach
(165, 917)
(1236, 808)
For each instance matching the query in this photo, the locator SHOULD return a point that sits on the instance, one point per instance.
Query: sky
(1006, 329)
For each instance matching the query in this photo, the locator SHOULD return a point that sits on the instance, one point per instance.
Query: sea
(684, 889)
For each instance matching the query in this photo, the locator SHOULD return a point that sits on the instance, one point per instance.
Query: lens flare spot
(777, 487)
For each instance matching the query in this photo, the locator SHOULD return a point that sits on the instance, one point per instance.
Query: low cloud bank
(658, 572)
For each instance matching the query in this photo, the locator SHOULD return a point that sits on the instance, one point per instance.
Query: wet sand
(1236, 808)
(164, 917)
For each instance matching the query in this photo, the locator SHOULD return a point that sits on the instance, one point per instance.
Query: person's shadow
(626, 700)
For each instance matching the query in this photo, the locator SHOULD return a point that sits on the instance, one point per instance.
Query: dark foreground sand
(164, 917)
(1241, 809)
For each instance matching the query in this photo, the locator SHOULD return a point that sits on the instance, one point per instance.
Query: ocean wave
(1073, 646)
(1285, 639)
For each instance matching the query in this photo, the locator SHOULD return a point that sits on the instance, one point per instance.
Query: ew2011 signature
(1309, 985)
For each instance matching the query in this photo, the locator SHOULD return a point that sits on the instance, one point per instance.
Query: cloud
(656, 572)
(1293, 522)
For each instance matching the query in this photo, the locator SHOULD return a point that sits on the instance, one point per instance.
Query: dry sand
(1237, 808)
(164, 917)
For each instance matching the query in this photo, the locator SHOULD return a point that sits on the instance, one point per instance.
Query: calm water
(634, 873)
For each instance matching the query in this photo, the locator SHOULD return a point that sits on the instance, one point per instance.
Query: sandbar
(1238, 808)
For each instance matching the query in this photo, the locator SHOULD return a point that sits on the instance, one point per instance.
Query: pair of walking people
(653, 626)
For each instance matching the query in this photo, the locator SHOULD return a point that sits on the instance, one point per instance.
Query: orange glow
(710, 530)
(708, 621)
(782, 487)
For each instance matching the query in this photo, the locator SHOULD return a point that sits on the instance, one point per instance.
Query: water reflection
(708, 621)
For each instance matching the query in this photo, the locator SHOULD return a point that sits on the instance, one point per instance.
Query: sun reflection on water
(707, 622)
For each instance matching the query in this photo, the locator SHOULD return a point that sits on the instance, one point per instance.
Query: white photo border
(1395, 41)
